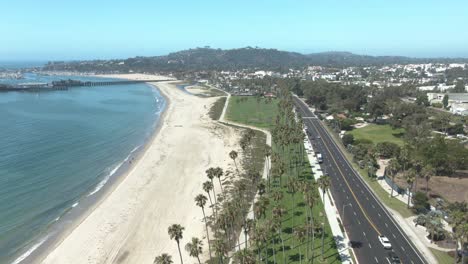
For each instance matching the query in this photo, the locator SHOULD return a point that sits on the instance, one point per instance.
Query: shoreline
(64, 225)
(129, 225)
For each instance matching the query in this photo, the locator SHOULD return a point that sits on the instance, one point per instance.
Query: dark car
(393, 258)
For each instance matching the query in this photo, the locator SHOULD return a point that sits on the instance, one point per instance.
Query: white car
(385, 242)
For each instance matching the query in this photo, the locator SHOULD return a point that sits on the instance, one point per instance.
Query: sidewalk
(331, 211)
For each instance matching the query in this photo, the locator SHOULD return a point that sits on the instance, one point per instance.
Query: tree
(210, 173)
(195, 248)
(393, 168)
(324, 183)
(233, 156)
(267, 153)
(300, 233)
(410, 176)
(459, 87)
(207, 187)
(420, 203)
(348, 139)
(244, 257)
(200, 201)
(163, 259)
(175, 232)
(427, 172)
(445, 101)
(422, 99)
(218, 173)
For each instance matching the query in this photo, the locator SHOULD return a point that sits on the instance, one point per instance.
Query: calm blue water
(60, 147)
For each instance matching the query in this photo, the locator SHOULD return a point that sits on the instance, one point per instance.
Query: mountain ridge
(207, 58)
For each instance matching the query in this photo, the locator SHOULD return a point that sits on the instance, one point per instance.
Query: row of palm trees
(271, 210)
(229, 207)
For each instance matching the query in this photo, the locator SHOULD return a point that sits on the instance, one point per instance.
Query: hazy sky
(88, 29)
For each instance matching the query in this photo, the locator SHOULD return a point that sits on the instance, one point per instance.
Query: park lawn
(442, 257)
(250, 111)
(296, 211)
(263, 115)
(379, 133)
(383, 195)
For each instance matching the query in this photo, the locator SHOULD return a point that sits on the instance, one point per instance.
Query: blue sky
(88, 29)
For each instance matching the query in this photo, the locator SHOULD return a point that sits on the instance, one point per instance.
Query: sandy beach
(130, 224)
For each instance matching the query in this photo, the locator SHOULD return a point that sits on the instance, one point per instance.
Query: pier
(66, 84)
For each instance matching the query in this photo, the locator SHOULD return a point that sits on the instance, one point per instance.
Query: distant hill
(234, 59)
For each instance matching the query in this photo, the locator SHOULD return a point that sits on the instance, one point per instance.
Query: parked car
(385, 242)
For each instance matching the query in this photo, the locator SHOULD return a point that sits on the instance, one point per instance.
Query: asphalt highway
(363, 215)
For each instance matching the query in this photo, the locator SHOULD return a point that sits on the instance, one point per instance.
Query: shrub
(421, 203)
(348, 139)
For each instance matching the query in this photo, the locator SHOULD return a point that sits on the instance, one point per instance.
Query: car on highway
(393, 258)
(385, 242)
(318, 137)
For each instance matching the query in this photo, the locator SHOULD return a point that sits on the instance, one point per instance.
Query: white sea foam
(30, 251)
(106, 179)
(75, 204)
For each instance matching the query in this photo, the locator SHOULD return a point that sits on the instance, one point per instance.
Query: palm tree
(233, 156)
(220, 249)
(324, 183)
(176, 232)
(244, 257)
(311, 199)
(292, 188)
(393, 168)
(195, 248)
(200, 200)
(248, 225)
(278, 214)
(163, 259)
(427, 172)
(300, 233)
(210, 173)
(218, 173)
(207, 187)
(410, 175)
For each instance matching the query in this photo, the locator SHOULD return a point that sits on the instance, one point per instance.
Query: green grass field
(379, 133)
(263, 115)
(442, 257)
(247, 110)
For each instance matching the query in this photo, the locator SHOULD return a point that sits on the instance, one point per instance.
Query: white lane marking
(393, 235)
(373, 206)
(403, 248)
(379, 215)
(370, 245)
(359, 222)
(364, 233)
(376, 260)
(389, 261)
(354, 213)
(386, 225)
(367, 198)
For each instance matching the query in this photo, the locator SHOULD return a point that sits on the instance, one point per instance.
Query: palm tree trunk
(180, 253)
(214, 193)
(207, 233)
(274, 251)
(220, 185)
(198, 257)
(282, 245)
(323, 239)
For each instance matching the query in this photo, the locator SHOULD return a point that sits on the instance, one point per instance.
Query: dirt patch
(450, 188)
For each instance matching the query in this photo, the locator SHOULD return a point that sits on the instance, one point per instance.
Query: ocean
(60, 149)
